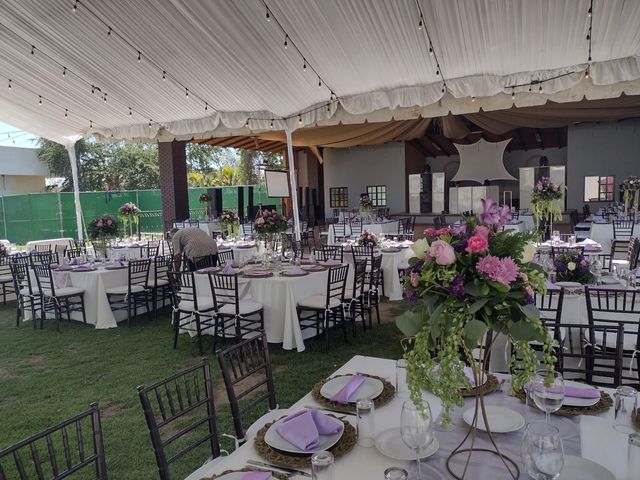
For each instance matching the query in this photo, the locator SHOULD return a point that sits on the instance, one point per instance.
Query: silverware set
(277, 468)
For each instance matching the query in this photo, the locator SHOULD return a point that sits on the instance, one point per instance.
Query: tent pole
(294, 186)
(76, 189)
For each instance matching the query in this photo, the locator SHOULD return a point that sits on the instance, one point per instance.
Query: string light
(105, 98)
(271, 125)
(64, 71)
(420, 23)
(109, 31)
(319, 83)
(586, 73)
(9, 84)
(513, 93)
(300, 120)
(246, 124)
(304, 66)
(39, 100)
(139, 56)
(150, 120)
(164, 76)
(540, 89)
(268, 15)
(186, 93)
(430, 50)
(206, 106)
(286, 41)
(66, 113)
(75, 6)
(443, 88)
(329, 107)
(90, 125)
(589, 12)
(33, 50)
(93, 89)
(473, 99)
(130, 112)
(438, 71)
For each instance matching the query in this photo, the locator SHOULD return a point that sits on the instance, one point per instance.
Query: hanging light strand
(140, 53)
(422, 26)
(288, 42)
(590, 30)
(535, 83)
(66, 72)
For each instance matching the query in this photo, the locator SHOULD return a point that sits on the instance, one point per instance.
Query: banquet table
(278, 295)
(57, 244)
(387, 227)
(589, 437)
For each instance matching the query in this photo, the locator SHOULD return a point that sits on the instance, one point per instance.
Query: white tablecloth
(603, 234)
(598, 440)
(279, 296)
(57, 244)
(389, 228)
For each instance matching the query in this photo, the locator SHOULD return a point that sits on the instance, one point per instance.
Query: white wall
(611, 148)
(18, 184)
(358, 167)
(21, 161)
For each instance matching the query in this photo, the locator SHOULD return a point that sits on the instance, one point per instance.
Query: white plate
(578, 468)
(501, 419)
(277, 441)
(371, 388)
(389, 443)
(610, 281)
(569, 284)
(578, 402)
(236, 476)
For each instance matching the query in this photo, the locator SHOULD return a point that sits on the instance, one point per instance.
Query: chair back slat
(44, 277)
(550, 303)
(202, 262)
(336, 282)
(329, 252)
(246, 368)
(39, 258)
(623, 229)
(562, 250)
(225, 256)
(36, 456)
(224, 289)
(171, 428)
(359, 277)
(139, 272)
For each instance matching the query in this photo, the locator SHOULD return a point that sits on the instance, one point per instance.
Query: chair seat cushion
(318, 302)
(204, 304)
(161, 282)
(123, 290)
(67, 291)
(6, 278)
(246, 307)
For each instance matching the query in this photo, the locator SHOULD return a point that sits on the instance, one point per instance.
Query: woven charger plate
(388, 392)
(603, 405)
(491, 385)
(344, 445)
(279, 476)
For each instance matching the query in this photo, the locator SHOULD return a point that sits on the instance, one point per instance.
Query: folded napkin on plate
(256, 476)
(296, 271)
(235, 263)
(332, 261)
(117, 264)
(591, 248)
(228, 269)
(588, 241)
(344, 394)
(303, 429)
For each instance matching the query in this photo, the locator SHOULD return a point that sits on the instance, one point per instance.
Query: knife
(332, 410)
(617, 404)
(278, 468)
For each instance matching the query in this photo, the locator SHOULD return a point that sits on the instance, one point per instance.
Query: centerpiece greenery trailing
(229, 222)
(367, 239)
(365, 209)
(100, 230)
(129, 214)
(464, 281)
(206, 199)
(544, 201)
(630, 189)
(573, 267)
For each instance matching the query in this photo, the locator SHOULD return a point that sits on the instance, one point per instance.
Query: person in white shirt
(194, 243)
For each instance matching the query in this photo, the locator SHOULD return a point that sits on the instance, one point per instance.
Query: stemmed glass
(549, 267)
(416, 427)
(547, 398)
(542, 452)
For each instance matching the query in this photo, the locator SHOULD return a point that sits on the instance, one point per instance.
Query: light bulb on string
(300, 120)
(529, 87)
(186, 93)
(109, 31)
(430, 50)
(66, 113)
(473, 99)
(206, 106)
(139, 56)
(104, 98)
(329, 107)
(586, 73)
(39, 100)
(64, 71)
(438, 71)
(150, 123)
(93, 89)
(589, 12)
(268, 16)
(319, 83)
(130, 112)
(513, 94)
(271, 125)
(286, 41)
(420, 24)
(33, 50)
(442, 88)
(304, 66)
(540, 89)
(246, 124)
(90, 125)
(75, 6)
(9, 84)
(164, 76)
(589, 58)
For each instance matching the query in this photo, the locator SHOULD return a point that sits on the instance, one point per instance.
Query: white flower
(571, 266)
(528, 252)
(420, 247)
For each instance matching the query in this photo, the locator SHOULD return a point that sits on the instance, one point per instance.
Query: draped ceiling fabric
(370, 53)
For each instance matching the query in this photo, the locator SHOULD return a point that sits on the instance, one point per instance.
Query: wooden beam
(549, 138)
(445, 144)
(426, 143)
(418, 146)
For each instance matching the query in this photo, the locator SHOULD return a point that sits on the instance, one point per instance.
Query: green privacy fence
(37, 216)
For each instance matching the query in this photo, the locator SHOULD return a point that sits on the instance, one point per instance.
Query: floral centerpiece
(100, 230)
(269, 225)
(573, 267)
(367, 239)
(206, 200)
(465, 281)
(229, 222)
(630, 188)
(365, 209)
(129, 213)
(544, 201)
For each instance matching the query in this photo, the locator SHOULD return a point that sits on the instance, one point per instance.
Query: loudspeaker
(241, 204)
(250, 207)
(216, 204)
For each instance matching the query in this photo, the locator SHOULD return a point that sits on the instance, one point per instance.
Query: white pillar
(76, 188)
(294, 186)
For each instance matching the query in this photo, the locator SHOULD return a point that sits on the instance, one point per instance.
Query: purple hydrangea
(457, 286)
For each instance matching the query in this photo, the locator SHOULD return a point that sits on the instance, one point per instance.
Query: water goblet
(322, 466)
(416, 427)
(395, 473)
(547, 398)
(542, 451)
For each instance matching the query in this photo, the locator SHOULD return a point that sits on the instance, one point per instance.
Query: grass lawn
(47, 376)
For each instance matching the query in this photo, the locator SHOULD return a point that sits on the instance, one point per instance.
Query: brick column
(173, 182)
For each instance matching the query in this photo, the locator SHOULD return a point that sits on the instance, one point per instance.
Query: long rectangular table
(593, 438)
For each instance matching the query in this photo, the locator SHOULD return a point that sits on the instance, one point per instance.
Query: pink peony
(260, 221)
(99, 223)
(503, 270)
(481, 231)
(442, 252)
(477, 244)
(414, 279)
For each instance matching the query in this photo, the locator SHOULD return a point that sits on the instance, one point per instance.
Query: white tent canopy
(232, 61)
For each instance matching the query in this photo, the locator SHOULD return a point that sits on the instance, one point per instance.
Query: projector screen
(277, 183)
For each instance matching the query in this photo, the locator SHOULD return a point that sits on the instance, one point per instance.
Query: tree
(207, 159)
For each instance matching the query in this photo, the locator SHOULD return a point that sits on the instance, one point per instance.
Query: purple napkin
(63, 268)
(345, 393)
(296, 271)
(256, 476)
(259, 272)
(549, 284)
(117, 264)
(207, 270)
(332, 261)
(84, 268)
(303, 429)
(228, 269)
(235, 263)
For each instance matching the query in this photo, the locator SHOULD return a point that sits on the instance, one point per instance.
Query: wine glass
(547, 398)
(596, 269)
(416, 427)
(542, 452)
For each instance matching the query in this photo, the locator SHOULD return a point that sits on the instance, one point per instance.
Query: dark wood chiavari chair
(136, 293)
(329, 252)
(354, 295)
(160, 285)
(6, 279)
(372, 293)
(28, 296)
(72, 446)
(225, 256)
(59, 300)
(180, 416)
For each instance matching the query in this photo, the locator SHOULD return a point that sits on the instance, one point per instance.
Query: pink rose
(477, 244)
(260, 221)
(99, 223)
(414, 279)
(555, 188)
(481, 231)
(442, 252)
